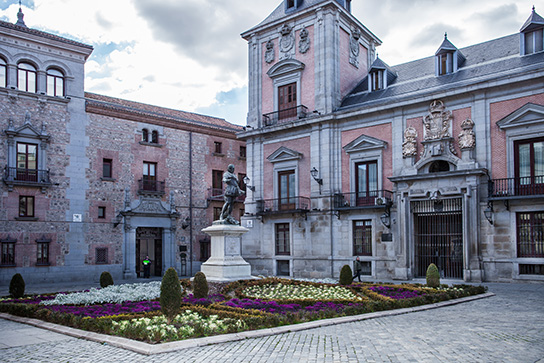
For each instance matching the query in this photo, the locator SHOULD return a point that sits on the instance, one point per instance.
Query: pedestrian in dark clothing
(358, 268)
(147, 267)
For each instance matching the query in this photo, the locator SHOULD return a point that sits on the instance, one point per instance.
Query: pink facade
(350, 75)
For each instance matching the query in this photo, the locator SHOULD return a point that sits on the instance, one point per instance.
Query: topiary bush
(17, 286)
(200, 286)
(170, 297)
(105, 279)
(433, 276)
(346, 275)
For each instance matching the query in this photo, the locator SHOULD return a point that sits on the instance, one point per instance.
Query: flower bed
(133, 311)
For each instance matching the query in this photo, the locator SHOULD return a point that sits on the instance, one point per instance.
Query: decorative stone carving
(304, 43)
(354, 47)
(409, 146)
(437, 122)
(287, 40)
(467, 137)
(269, 55)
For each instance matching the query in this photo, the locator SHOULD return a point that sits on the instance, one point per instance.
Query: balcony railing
(513, 188)
(287, 115)
(26, 177)
(146, 186)
(279, 205)
(373, 198)
(216, 194)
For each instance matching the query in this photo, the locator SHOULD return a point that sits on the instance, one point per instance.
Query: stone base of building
(226, 262)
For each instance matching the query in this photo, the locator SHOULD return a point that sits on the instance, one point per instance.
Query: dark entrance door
(439, 237)
(149, 243)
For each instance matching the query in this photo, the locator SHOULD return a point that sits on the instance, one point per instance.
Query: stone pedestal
(226, 262)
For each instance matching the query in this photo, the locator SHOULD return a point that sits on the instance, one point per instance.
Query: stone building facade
(93, 183)
(439, 160)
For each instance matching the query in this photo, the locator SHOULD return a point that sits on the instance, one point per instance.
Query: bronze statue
(232, 191)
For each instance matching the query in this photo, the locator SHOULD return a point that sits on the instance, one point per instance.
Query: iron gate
(439, 236)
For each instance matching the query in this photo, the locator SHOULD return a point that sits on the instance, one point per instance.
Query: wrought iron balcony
(150, 187)
(516, 188)
(287, 115)
(370, 199)
(26, 177)
(280, 205)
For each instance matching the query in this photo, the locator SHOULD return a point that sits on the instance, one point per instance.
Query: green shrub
(433, 276)
(200, 286)
(346, 275)
(170, 297)
(106, 279)
(17, 286)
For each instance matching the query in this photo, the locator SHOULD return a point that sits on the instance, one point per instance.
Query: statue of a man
(232, 191)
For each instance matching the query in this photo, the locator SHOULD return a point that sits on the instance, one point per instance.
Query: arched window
(145, 135)
(155, 137)
(26, 80)
(55, 83)
(3, 73)
(439, 166)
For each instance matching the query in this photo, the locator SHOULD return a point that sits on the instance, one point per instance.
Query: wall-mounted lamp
(185, 223)
(386, 219)
(246, 182)
(315, 173)
(488, 212)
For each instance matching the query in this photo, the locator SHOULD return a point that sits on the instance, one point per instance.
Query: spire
(20, 16)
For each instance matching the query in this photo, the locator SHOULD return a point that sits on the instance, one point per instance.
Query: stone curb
(149, 349)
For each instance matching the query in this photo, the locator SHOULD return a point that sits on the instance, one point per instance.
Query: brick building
(93, 183)
(437, 160)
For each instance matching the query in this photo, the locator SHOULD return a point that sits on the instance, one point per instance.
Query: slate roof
(534, 22)
(42, 34)
(161, 112)
(483, 60)
(280, 11)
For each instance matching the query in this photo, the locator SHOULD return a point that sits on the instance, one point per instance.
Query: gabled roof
(446, 46)
(120, 105)
(484, 60)
(284, 154)
(534, 22)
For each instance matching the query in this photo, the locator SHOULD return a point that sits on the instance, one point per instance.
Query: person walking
(147, 267)
(358, 268)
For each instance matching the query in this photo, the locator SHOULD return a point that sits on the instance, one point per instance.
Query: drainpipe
(191, 203)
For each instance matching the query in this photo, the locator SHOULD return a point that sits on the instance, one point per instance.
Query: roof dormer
(448, 58)
(291, 5)
(531, 35)
(380, 75)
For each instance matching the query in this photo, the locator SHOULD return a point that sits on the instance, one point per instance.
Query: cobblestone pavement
(508, 327)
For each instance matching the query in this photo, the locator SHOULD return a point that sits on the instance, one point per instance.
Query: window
(282, 268)
(55, 83)
(282, 239)
(377, 80)
(290, 4)
(243, 152)
(286, 189)
(217, 147)
(26, 80)
(42, 258)
(287, 101)
(8, 251)
(529, 166)
(3, 73)
(150, 176)
(145, 135)
(217, 182)
(217, 213)
(26, 206)
(445, 63)
(348, 5)
(366, 187)
(530, 230)
(27, 162)
(102, 256)
(107, 168)
(155, 137)
(101, 212)
(534, 41)
(362, 238)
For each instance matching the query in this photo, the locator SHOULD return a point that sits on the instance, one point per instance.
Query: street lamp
(315, 173)
(246, 182)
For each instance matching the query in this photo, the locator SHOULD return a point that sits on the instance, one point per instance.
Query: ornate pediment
(529, 114)
(284, 154)
(150, 206)
(364, 143)
(286, 66)
(26, 130)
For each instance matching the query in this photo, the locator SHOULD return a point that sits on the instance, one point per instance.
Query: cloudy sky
(188, 54)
